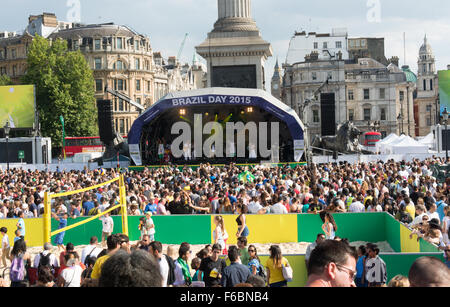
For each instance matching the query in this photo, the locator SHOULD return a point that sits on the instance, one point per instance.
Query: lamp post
(400, 121)
(445, 116)
(7, 129)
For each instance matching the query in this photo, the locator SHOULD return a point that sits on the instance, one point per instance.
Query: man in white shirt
(155, 249)
(52, 260)
(420, 212)
(278, 208)
(432, 213)
(108, 226)
(255, 208)
(91, 250)
(104, 204)
(357, 206)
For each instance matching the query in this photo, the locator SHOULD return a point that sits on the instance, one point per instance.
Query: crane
(182, 46)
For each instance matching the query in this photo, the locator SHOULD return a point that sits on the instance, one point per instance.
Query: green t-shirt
(245, 257)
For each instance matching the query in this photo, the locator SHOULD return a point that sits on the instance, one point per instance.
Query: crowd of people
(406, 190)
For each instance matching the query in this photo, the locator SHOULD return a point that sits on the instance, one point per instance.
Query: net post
(123, 202)
(47, 217)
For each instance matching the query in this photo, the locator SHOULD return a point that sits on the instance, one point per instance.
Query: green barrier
(195, 229)
(392, 231)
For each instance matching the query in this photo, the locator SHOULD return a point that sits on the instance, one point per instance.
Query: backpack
(262, 273)
(17, 273)
(44, 261)
(171, 276)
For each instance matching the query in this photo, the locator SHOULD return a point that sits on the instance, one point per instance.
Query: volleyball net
(48, 234)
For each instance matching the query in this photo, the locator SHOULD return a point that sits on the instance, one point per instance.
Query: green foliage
(64, 86)
(5, 80)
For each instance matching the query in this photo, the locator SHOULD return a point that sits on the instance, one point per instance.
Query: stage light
(206, 114)
(182, 112)
(242, 112)
(249, 110)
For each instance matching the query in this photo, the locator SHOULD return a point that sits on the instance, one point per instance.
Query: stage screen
(243, 76)
(17, 105)
(444, 89)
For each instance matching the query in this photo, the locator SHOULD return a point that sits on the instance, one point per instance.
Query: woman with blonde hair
(220, 234)
(399, 281)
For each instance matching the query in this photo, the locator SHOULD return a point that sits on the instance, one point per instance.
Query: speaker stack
(105, 121)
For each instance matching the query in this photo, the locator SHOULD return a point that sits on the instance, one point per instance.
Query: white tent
(428, 140)
(390, 138)
(407, 145)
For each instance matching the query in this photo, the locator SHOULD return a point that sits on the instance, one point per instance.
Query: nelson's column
(234, 49)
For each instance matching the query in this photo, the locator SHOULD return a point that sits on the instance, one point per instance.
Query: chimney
(394, 60)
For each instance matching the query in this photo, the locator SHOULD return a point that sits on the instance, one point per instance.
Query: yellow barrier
(47, 209)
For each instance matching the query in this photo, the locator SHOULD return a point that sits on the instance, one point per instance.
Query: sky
(167, 21)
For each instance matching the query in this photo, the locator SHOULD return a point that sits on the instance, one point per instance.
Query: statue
(346, 140)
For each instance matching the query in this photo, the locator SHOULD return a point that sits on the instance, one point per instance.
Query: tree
(64, 86)
(5, 80)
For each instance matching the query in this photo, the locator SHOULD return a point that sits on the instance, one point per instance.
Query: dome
(426, 48)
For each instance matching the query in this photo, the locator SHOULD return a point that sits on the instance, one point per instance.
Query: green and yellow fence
(289, 228)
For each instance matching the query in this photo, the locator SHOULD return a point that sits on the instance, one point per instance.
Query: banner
(444, 89)
(17, 105)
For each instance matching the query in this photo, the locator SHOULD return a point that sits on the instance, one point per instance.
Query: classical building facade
(121, 60)
(326, 45)
(426, 101)
(326, 93)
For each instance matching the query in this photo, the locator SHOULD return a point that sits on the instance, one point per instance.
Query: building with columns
(234, 50)
(426, 101)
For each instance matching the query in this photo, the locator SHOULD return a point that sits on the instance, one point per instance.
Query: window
(330, 76)
(138, 100)
(363, 43)
(118, 65)
(316, 45)
(14, 70)
(424, 85)
(366, 75)
(315, 116)
(366, 94)
(314, 76)
(428, 121)
(2, 71)
(98, 44)
(99, 85)
(325, 45)
(338, 44)
(149, 84)
(351, 115)
(402, 95)
(382, 93)
(136, 45)
(138, 85)
(431, 84)
(429, 108)
(119, 85)
(351, 95)
(121, 126)
(137, 64)
(119, 43)
(424, 68)
(367, 115)
(13, 53)
(98, 63)
(121, 105)
(383, 114)
(1, 54)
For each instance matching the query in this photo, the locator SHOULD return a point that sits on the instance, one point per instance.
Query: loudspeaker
(328, 114)
(105, 121)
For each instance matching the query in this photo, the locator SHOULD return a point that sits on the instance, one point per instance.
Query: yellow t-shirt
(276, 273)
(411, 210)
(97, 269)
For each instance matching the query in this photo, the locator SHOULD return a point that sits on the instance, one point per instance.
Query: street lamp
(400, 122)
(7, 129)
(445, 116)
